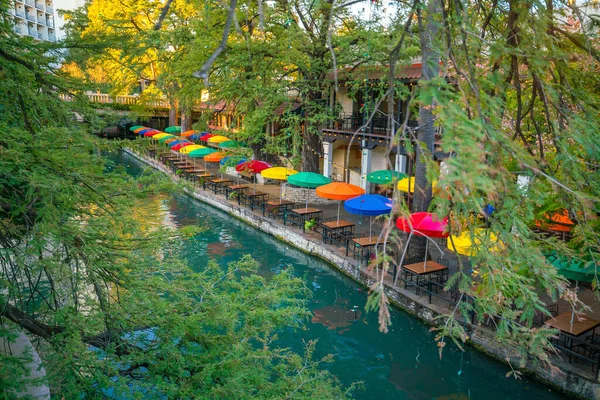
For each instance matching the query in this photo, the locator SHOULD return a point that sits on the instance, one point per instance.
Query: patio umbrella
(573, 269)
(385, 177)
(188, 133)
(190, 148)
(308, 180)
(170, 140)
(165, 138)
(133, 128)
(160, 135)
(141, 128)
(254, 167)
(142, 131)
(468, 245)
(230, 144)
(409, 183)
(339, 191)
(205, 136)
(369, 204)
(237, 160)
(180, 146)
(153, 132)
(217, 139)
(278, 173)
(173, 129)
(557, 222)
(214, 157)
(196, 136)
(175, 142)
(200, 153)
(423, 224)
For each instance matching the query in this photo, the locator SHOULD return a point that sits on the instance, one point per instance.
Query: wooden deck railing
(105, 98)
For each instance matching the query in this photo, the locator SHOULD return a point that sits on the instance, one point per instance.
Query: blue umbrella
(144, 131)
(369, 204)
(196, 136)
(237, 160)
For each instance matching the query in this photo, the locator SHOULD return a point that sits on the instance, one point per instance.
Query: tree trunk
(173, 121)
(429, 33)
(186, 119)
(311, 144)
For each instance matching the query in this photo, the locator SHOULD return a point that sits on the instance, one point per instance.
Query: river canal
(403, 364)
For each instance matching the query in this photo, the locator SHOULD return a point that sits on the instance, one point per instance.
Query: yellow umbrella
(218, 139)
(279, 173)
(404, 183)
(187, 149)
(468, 245)
(160, 136)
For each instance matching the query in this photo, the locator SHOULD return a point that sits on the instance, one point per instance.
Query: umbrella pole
(280, 193)
(254, 183)
(370, 226)
(573, 311)
(402, 259)
(426, 248)
(306, 208)
(339, 204)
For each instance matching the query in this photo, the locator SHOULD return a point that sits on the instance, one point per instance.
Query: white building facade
(34, 18)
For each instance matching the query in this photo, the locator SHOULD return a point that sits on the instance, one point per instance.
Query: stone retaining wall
(569, 382)
(298, 195)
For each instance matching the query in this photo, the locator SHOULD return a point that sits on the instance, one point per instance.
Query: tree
(87, 275)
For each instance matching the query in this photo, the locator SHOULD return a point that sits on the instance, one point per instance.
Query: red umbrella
(206, 136)
(181, 145)
(422, 224)
(253, 166)
(152, 132)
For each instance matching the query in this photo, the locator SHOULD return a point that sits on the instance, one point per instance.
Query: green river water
(403, 364)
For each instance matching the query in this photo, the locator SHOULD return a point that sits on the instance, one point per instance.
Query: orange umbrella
(172, 140)
(188, 133)
(339, 191)
(140, 129)
(557, 222)
(215, 157)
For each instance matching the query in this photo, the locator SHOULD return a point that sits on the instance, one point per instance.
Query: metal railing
(52, 37)
(50, 22)
(49, 10)
(17, 29)
(104, 98)
(30, 17)
(39, 6)
(20, 13)
(32, 32)
(377, 124)
(30, 3)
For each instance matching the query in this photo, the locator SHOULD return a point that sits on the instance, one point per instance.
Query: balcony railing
(20, 14)
(353, 122)
(39, 6)
(30, 17)
(49, 10)
(33, 32)
(50, 22)
(52, 37)
(30, 2)
(17, 29)
(125, 100)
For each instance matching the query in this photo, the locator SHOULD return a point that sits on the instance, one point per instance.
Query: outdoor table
(235, 189)
(334, 230)
(299, 216)
(421, 270)
(277, 207)
(581, 324)
(254, 198)
(217, 184)
(204, 178)
(364, 246)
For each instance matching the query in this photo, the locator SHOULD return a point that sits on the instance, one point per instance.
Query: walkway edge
(570, 383)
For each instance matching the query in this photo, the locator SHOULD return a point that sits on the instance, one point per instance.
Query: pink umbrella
(423, 224)
(181, 145)
(152, 133)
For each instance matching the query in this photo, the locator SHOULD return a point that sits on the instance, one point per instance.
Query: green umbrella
(133, 128)
(173, 129)
(230, 144)
(165, 138)
(201, 153)
(309, 180)
(384, 176)
(575, 270)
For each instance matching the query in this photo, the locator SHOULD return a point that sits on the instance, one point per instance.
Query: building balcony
(32, 32)
(17, 29)
(40, 6)
(49, 10)
(50, 22)
(30, 3)
(20, 14)
(30, 17)
(52, 37)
